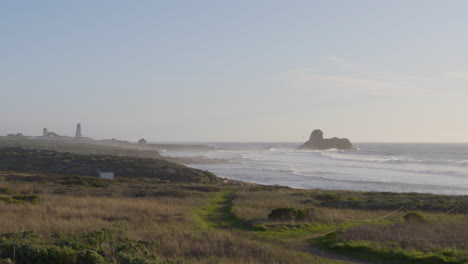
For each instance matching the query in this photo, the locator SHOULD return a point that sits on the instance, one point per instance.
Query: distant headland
(79, 138)
(317, 141)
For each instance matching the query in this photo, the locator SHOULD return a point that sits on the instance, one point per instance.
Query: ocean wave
(323, 150)
(251, 157)
(374, 163)
(460, 162)
(394, 160)
(372, 159)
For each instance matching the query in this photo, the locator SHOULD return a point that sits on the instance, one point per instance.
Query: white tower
(78, 131)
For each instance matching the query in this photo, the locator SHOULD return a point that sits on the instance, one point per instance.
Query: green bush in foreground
(34, 199)
(27, 198)
(415, 217)
(30, 247)
(291, 214)
(4, 190)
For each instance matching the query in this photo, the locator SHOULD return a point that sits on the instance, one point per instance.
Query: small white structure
(105, 174)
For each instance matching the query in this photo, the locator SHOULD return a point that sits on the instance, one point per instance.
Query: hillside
(78, 147)
(53, 162)
(108, 147)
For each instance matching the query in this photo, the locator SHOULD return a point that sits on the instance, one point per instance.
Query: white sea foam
(384, 167)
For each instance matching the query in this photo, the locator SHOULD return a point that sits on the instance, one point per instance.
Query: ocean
(388, 167)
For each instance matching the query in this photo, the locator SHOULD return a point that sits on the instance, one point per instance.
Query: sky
(260, 71)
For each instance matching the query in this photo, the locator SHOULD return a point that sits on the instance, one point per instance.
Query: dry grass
(168, 222)
(74, 215)
(255, 206)
(449, 231)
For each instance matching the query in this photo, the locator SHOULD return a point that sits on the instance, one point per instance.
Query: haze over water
(392, 167)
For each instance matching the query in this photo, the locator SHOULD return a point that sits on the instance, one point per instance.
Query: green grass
(96, 247)
(218, 213)
(20, 199)
(373, 251)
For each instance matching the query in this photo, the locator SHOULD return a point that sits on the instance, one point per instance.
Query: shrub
(27, 198)
(91, 257)
(4, 190)
(328, 197)
(307, 201)
(6, 199)
(290, 214)
(414, 217)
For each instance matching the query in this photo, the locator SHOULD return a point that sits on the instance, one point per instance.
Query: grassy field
(126, 222)
(49, 218)
(436, 233)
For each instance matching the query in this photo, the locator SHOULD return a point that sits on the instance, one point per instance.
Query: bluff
(317, 141)
(65, 163)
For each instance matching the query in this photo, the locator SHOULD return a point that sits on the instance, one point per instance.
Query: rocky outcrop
(317, 141)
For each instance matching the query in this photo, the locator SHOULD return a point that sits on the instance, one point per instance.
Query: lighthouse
(78, 131)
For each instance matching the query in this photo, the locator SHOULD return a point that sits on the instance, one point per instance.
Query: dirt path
(218, 214)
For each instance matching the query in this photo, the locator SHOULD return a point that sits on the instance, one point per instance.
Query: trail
(218, 214)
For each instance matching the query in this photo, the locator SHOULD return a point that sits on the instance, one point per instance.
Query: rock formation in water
(142, 141)
(317, 141)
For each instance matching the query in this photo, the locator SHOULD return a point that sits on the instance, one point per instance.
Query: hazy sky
(236, 70)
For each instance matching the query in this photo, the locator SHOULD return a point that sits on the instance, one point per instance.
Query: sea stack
(78, 131)
(317, 141)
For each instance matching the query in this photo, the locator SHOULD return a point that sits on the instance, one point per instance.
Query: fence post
(14, 253)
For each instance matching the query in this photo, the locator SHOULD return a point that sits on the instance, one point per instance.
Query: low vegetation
(134, 221)
(291, 214)
(75, 219)
(379, 235)
(388, 201)
(78, 147)
(54, 210)
(52, 162)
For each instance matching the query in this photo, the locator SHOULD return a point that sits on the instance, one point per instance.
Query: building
(47, 133)
(78, 133)
(106, 174)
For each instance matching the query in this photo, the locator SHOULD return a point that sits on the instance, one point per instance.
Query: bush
(414, 217)
(35, 248)
(90, 256)
(290, 214)
(6, 199)
(4, 190)
(27, 198)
